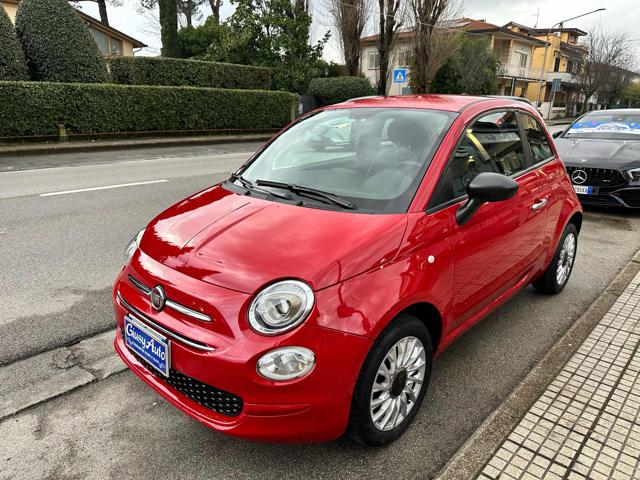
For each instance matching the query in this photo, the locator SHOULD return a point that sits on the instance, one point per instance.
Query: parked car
(308, 294)
(602, 153)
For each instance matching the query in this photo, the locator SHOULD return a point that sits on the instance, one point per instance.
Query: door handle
(539, 205)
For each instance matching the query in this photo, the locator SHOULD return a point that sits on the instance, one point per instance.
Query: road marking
(106, 187)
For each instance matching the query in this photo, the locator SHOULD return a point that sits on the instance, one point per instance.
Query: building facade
(559, 62)
(514, 50)
(112, 42)
(525, 69)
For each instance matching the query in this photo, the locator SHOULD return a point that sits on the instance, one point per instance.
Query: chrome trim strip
(140, 286)
(169, 333)
(170, 303)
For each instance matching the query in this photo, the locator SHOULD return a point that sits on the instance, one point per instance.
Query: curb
(471, 457)
(32, 381)
(70, 147)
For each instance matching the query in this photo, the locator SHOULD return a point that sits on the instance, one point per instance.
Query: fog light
(286, 363)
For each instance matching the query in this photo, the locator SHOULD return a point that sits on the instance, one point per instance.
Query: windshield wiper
(309, 192)
(250, 186)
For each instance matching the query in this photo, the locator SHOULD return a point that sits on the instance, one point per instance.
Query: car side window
(538, 141)
(491, 144)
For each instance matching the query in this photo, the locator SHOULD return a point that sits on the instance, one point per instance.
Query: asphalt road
(60, 254)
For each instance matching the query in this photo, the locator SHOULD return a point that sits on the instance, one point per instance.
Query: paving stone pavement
(586, 425)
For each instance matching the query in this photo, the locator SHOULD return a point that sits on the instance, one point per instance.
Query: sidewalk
(586, 425)
(7, 149)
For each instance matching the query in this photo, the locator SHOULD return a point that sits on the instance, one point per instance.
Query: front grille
(604, 200)
(600, 177)
(210, 397)
(214, 399)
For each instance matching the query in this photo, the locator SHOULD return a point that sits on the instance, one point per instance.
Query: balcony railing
(513, 70)
(566, 77)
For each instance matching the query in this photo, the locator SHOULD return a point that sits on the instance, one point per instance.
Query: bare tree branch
(102, 7)
(432, 45)
(392, 15)
(607, 67)
(350, 17)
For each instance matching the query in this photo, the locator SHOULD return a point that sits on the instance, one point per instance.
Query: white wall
(372, 73)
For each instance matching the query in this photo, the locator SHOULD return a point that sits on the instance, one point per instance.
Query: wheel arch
(430, 316)
(576, 219)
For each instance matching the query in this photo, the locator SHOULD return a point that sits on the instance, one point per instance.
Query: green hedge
(59, 47)
(36, 108)
(194, 73)
(339, 89)
(12, 62)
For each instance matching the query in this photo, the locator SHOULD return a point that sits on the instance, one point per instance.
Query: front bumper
(314, 408)
(613, 197)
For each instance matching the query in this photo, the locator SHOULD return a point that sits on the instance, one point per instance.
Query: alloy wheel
(398, 382)
(566, 259)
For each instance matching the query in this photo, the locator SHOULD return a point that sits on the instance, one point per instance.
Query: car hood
(616, 154)
(243, 243)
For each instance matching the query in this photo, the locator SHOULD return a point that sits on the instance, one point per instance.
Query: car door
(501, 242)
(548, 169)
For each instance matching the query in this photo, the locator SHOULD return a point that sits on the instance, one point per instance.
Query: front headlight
(634, 174)
(281, 307)
(286, 363)
(133, 245)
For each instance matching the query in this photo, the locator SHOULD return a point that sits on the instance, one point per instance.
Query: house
(112, 42)
(515, 51)
(561, 64)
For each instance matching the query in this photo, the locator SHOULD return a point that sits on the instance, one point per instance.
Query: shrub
(12, 63)
(335, 90)
(36, 108)
(194, 73)
(59, 47)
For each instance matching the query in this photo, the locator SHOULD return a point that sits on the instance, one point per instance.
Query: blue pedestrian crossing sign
(399, 75)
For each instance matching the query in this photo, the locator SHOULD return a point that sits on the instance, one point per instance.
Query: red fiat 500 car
(307, 295)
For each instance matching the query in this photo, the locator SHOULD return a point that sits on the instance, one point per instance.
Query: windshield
(373, 157)
(607, 125)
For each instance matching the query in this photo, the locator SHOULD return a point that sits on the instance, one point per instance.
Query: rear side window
(540, 148)
(491, 144)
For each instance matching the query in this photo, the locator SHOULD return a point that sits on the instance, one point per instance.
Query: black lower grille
(210, 397)
(631, 198)
(600, 177)
(217, 400)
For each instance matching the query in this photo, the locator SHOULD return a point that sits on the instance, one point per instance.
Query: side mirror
(557, 134)
(486, 187)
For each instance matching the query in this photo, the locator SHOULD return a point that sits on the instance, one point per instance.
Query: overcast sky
(620, 15)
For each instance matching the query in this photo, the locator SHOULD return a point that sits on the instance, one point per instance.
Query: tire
(551, 281)
(404, 331)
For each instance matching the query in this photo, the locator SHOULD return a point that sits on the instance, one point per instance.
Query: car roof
(613, 111)
(511, 97)
(450, 103)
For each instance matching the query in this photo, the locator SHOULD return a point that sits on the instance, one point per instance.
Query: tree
(350, 18)
(196, 41)
(169, 28)
(102, 7)
(631, 95)
(432, 45)
(215, 9)
(274, 34)
(472, 70)
(57, 44)
(168, 13)
(190, 9)
(13, 65)
(600, 70)
(390, 20)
